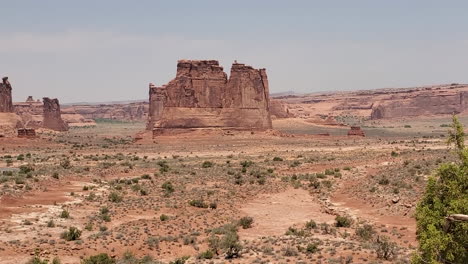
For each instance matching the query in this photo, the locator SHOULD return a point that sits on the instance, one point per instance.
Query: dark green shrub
(207, 164)
(115, 197)
(198, 203)
(102, 258)
(343, 221)
(73, 233)
(246, 222)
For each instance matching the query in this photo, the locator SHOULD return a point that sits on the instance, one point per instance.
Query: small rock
(396, 199)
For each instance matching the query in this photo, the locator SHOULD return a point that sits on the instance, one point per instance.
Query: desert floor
(167, 197)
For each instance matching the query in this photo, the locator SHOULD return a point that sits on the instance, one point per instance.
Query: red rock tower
(52, 117)
(6, 102)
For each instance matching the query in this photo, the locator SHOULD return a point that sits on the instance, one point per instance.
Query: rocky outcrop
(278, 109)
(52, 116)
(26, 133)
(6, 103)
(385, 103)
(425, 103)
(201, 96)
(137, 111)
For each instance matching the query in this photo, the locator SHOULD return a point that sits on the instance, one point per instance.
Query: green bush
(206, 255)
(65, 214)
(102, 258)
(277, 159)
(441, 239)
(312, 248)
(198, 203)
(366, 232)
(385, 248)
(168, 187)
(246, 222)
(115, 197)
(343, 221)
(163, 217)
(207, 164)
(73, 233)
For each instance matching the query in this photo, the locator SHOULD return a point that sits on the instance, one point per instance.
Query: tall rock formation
(6, 102)
(52, 116)
(201, 96)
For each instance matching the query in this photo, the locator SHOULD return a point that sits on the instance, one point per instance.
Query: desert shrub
(102, 258)
(230, 243)
(153, 242)
(311, 224)
(168, 187)
(181, 260)
(246, 222)
(289, 251)
(73, 233)
(146, 176)
(214, 243)
(384, 180)
(198, 203)
(38, 260)
(65, 214)
(213, 205)
(50, 223)
(277, 159)
(208, 254)
(163, 217)
(394, 153)
(343, 221)
(441, 239)
(65, 163)
(163, 167)
(25, 169)
(115, 197)
(55, 175)
(246, 163)
(143, 192)
(385, 248)
(207, 164)
(312, 248)
(366, 232)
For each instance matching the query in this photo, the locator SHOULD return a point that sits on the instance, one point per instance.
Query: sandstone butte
(9, 121)
(52, 115)
(202, 96)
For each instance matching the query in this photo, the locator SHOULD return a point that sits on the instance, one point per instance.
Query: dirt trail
(273, 214)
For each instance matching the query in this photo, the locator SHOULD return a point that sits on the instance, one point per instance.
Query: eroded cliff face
(201, 96)
(122, 112)
(52, 116)
(6, 103)
(385, 103)
(430, 102)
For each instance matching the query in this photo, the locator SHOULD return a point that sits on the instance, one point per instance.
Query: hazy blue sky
(90, 50)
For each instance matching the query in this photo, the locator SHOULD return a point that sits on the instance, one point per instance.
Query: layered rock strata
(201, 96)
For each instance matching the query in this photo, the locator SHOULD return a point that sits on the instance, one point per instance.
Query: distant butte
(201, 96)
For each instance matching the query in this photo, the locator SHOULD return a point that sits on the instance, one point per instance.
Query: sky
(109, 50)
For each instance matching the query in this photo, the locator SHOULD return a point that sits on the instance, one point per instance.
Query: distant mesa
(202, 96)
